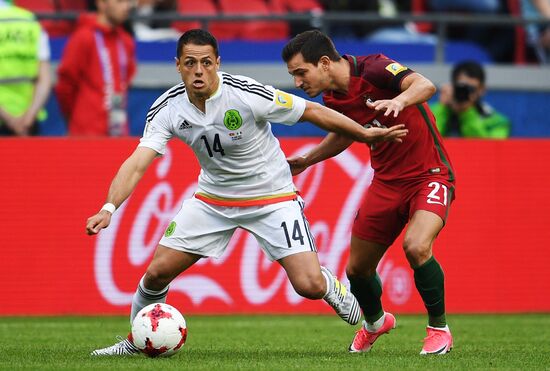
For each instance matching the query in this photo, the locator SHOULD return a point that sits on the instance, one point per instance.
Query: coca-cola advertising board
(494, 249)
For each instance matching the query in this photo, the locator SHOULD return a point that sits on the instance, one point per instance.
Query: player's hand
(392, 134)
(387, 106)
(97, 222)
(297, 164)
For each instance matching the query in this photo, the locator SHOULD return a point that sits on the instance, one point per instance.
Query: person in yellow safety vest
(25, 77)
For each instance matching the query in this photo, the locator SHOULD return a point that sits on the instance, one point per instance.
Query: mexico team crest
(232, 119)
(170, 230)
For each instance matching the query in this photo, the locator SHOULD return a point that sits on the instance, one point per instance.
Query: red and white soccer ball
(159, 330)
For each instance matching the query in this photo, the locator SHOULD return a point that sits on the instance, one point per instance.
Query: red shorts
(387, 207)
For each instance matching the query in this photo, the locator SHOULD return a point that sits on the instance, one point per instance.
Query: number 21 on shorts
(438, 195)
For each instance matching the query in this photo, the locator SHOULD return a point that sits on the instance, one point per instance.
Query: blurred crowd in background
(499, 40)
(109, 29)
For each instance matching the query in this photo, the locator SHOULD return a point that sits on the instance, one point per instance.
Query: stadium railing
(325, 20)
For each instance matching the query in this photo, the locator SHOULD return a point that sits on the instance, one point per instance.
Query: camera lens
(462, 92)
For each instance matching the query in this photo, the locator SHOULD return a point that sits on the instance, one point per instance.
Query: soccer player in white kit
(245, 181)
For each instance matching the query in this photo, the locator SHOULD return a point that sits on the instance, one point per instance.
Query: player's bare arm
(123, 184)
(330, 146)
(415, 89)
(333, 121)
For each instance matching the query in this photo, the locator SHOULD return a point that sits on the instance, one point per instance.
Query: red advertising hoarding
(494, 250)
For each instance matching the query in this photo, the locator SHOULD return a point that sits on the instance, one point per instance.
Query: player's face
(198, 67)
(310, 78)
(116, 11)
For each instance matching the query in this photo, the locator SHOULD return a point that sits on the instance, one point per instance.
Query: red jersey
(422, 153)
(81, 87)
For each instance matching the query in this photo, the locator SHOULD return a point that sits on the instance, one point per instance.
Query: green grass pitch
(497, 342)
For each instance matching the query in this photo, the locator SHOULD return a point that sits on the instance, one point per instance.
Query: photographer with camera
(461, 112)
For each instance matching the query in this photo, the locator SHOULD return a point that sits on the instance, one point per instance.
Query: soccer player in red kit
(413, 181)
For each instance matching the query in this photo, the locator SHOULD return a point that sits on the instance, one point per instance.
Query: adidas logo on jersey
(185, 125)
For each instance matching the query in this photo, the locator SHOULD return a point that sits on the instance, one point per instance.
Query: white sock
(446, 328)
(375, 326)
(327, 280)
(143, 297)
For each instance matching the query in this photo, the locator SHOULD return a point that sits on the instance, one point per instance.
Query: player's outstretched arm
(333, 121)
(123, 184)
(415, 89)
(330, 146)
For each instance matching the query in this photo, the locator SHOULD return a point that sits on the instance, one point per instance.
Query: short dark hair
(469, 68)
(198, 37)
(312, 45)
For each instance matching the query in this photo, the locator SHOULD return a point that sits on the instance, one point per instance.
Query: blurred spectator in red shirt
(96, 69)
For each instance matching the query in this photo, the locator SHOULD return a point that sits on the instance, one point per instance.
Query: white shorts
(281, 229)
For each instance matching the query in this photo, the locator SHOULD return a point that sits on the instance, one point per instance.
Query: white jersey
(240, 158)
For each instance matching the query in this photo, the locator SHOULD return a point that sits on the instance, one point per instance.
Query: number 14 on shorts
(296, 233)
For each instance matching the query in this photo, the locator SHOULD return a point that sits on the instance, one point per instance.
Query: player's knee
(311, 288)
(356, 271)
(417, 252)
(156, 278)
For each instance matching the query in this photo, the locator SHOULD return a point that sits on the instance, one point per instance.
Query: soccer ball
(159, 329)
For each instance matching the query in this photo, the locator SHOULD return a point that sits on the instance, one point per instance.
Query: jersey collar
(354, 69)
(218, 91)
